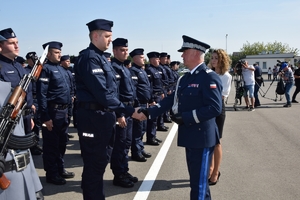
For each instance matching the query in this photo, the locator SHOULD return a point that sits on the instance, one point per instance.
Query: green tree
(258, 47)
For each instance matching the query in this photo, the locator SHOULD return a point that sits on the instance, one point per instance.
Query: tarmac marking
(146, 186)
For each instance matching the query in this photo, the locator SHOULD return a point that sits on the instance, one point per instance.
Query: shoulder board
(208, 70)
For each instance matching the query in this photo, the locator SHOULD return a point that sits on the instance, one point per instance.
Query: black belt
(128, 103)
(22, 161)
(158, 93)
(26, 111)
(58, 106)
(93, 106)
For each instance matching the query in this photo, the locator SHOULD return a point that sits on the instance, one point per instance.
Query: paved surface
(260, 160)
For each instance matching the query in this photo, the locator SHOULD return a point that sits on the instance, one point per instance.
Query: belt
(93, 106)
(128, 103)
(26, 111)
(58, 106)
(158, 93)
(22, 160)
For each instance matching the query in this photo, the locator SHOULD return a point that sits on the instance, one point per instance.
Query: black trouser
(297, 90)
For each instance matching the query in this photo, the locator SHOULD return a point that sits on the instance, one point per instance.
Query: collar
(5, 59)
(117, 61)
(195, 68)
(135, 65)
(93, 47)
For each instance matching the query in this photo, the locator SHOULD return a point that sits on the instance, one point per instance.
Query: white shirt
(226, 83)
(248, 75)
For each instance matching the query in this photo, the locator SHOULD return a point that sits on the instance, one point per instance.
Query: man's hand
(32, 123)
(138, 114)
(33, 108)
(122, 122)
(2, 165)
(49, 125)
(177, 118)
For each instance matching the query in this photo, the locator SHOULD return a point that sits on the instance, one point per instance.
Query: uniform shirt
(70, 81)
(176, 77)
(170, 76)
(155, 78)
(297, 80)
(126, 87)
(164, 76)
(12, 71)
(52, 87)
(96, 81)
(143, 87)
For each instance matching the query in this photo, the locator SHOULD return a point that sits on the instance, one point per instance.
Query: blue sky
(156, 25)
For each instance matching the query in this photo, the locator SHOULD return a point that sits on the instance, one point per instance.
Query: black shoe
(214, 183)
(287, 105)
(158, 140)
(57, 180)
(70, 136)
(146, 154)
(123, 181)
(162, 128)
(294, 101)
(131, 178)
(251, 109)
(152, 142)
(139, 158)
(166, 127)
(167, 120)
(246, 108)
(66, 174)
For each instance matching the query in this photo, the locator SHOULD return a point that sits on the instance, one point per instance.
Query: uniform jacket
(199, 102)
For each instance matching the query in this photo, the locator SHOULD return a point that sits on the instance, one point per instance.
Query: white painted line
(145, 188)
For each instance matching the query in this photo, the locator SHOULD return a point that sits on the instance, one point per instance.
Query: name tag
(91, 135)
(55, 71)
(10, 72)
(44, 79)
(97, 71)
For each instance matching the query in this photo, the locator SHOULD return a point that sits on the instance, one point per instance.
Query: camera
(239, 66)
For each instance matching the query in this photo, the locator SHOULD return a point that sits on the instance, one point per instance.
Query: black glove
(144, 111)
(177, 118)
(2, 165)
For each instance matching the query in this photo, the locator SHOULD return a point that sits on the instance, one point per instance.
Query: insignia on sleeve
(208, 70)
(134, 78)
(213, 86)
(96, 71)
(44, 79)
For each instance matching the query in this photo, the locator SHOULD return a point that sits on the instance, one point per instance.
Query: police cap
(31, 55)
(106, 54)
(53, 45)
(135, 52)
(120, 42)
(163, 54)
(65, 57)
(190, 43)
(153, 54)
(2, 38)
(8, 33)
(20, 59)
(100, 24)
(174, 63)
(126, 62)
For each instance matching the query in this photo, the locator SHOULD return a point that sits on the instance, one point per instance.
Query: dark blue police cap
(126, 62)
(120, 42)
(20, 59)
(190, 43)
(100, 24)
(31, 55)
(8, 33)
(106, 54)
(153, 54)
(163, 54)
(65, 57)
(174, 63)
(2, 38)
(135, 52)
(53, 45)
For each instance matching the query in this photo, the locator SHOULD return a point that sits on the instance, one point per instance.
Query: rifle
(11, 114)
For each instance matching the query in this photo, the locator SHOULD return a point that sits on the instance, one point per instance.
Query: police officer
(144, 93)
(157, 95)
(21, 60)
(123, 137)
(31, 58)
(65, 63)
(174, 65)
(25, 183)
(258, 82)
(53, 94)
(107, 56)
(97, 100)
(199, 101)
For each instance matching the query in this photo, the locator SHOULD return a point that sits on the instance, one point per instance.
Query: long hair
(224, 61)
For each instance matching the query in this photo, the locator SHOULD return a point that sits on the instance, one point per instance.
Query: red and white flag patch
(213, 86)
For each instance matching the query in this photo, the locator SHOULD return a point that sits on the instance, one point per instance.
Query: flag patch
(212, 86)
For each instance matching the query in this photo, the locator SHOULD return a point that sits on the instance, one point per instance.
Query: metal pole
(226, 42)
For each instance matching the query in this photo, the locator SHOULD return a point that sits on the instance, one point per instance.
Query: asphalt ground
(260, 159)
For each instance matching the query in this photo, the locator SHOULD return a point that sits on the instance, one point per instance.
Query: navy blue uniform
(96, 91)
(258, 81)
(144, 93)
(157, 90)
(53, 94)
(175, 79)
(199, 102)
(123, 136)
(12, 71)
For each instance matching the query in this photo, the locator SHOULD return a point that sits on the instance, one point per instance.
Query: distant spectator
(270, 72)
(297, 83)
(287, 75)
(258, 81)
(275, 72)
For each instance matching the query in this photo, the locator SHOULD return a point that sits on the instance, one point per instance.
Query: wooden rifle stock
(17, 99)
(4, 182)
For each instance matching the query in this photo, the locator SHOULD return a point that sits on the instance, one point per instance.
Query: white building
(269, 59)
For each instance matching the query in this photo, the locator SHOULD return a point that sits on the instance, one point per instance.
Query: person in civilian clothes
(220, 63)
(31, 58)
(65, 63)
(199, 102)
(96, 90)
(157, 95)
(297, 83)
(143, 92)
(25, 183)
(123, 136)
(288, 77)
(55, 104)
